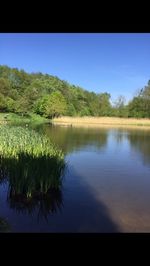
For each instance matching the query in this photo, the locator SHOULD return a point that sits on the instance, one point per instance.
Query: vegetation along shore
(101, 121)
(31, 163)
(36, 96)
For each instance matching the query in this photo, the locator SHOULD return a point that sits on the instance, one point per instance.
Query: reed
(101, 121)
(29, 161)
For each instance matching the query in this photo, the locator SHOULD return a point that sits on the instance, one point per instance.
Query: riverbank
(15, 118)
(102, 121)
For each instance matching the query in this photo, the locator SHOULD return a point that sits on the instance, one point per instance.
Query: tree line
(48, 96)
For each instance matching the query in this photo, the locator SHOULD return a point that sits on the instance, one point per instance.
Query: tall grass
(91, 121)
(29, 161)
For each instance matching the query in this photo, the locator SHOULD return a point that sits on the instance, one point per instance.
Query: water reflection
(119, 135)
(43, 204)
(33, 185)
(100, 190)
(70, 139)
(140, 142)
(4, 226)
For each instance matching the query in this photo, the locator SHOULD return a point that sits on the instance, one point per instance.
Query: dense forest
(46, 95)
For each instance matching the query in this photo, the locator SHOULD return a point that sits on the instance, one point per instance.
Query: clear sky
(118, 63)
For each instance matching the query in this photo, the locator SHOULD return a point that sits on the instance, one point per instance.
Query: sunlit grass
(99, 121)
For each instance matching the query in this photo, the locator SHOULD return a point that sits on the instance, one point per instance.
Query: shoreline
(102, 122)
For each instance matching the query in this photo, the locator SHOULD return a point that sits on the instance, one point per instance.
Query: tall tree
(104, 104)
(56, 105)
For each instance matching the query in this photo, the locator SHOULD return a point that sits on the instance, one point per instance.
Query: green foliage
(71, 111)
(3, 104)
(56, 105)
(105, 107)
(10, 104)
(25, 119)
(4, 87)
(48, 96)
(40, 105)
(51, 105)
(85, 111)
(136, 108)
(120, 109)
(140, 105)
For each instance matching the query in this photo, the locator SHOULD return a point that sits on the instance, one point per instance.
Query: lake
(106, 184)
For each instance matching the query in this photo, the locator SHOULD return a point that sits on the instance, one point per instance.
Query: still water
(106, 185)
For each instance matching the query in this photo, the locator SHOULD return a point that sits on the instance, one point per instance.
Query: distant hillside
(48, 96)
(45, 94)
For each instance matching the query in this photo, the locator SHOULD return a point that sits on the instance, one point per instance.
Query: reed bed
(102, 121)
(29, 161)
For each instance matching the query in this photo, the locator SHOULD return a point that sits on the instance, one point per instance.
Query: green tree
(104, 104)
(3, 103)
(10, 105)
(21, 106)
(120, 109)
(140, 105)
(4, 87)
(71, 111)
(56, 105)
(40, 105)
(47, 95)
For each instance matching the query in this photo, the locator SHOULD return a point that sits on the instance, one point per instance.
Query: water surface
(106, 184)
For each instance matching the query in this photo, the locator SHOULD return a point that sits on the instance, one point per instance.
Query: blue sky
(116, 63)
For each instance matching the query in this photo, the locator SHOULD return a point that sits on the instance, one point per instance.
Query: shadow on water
(83, 212)
(30, 191)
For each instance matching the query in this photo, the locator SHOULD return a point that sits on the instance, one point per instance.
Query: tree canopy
(47, 95)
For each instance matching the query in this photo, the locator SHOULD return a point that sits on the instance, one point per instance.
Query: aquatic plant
(30, 162)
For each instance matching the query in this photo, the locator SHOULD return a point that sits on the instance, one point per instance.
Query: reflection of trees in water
(73, 138)
(140, 141)
(119, 135)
